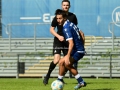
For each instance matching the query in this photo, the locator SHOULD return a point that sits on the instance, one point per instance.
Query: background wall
(93, 16)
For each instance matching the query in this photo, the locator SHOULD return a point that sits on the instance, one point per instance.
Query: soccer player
(59, 43)
(76, 49)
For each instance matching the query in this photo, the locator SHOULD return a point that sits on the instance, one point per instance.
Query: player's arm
(68, 36)
(53, 32)
(70, 48)
(71, 44)
(75, 21)
(82, 36)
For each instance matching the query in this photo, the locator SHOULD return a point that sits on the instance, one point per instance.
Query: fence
(43, 46)
(112, 25)
(36, 65)
(13, 44)
(110, 55)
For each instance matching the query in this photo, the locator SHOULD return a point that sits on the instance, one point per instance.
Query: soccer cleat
(62, 81)
(80, 85)
(45, 81)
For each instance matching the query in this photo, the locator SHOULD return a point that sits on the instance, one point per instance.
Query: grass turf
(36, 84)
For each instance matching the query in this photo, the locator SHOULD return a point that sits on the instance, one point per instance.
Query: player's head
(66, 5)
(61, 16)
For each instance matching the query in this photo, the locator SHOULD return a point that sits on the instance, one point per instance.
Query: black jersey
(71, 17)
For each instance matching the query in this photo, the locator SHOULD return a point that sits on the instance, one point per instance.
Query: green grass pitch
(36, 84)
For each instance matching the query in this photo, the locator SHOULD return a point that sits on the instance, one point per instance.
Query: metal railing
(92, 37)
(9, 26)
(111, 25)
(9, 31)
(109, 55)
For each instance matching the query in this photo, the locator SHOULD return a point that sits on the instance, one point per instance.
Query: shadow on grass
(95, 83)
(100, 89)
(77, 83)
(97, 89)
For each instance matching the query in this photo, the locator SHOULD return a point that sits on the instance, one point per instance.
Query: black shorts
(59, 46)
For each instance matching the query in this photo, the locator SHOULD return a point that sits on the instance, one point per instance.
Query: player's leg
(73, 70)
(51, 68)
(65, 51)
(56, 53)
(75, 64)
(75, 58)
(61, 69)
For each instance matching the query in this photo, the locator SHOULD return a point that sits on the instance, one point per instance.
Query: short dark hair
(66, 1)
(61, 12)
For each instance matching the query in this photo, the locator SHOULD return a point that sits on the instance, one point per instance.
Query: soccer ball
(57, 85)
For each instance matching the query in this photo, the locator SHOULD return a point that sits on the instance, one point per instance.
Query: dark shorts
(77, 56)
(59, 47)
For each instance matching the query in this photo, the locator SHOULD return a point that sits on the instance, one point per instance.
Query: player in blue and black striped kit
(76, 49)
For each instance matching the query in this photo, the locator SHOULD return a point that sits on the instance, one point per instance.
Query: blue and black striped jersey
(71, 31)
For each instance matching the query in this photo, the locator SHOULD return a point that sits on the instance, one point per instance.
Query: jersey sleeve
(54, 22)
(67, 33)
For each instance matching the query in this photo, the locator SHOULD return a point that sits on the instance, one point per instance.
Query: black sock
(65, 71)
(75, 65)
(70, 74)
(51, 68)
